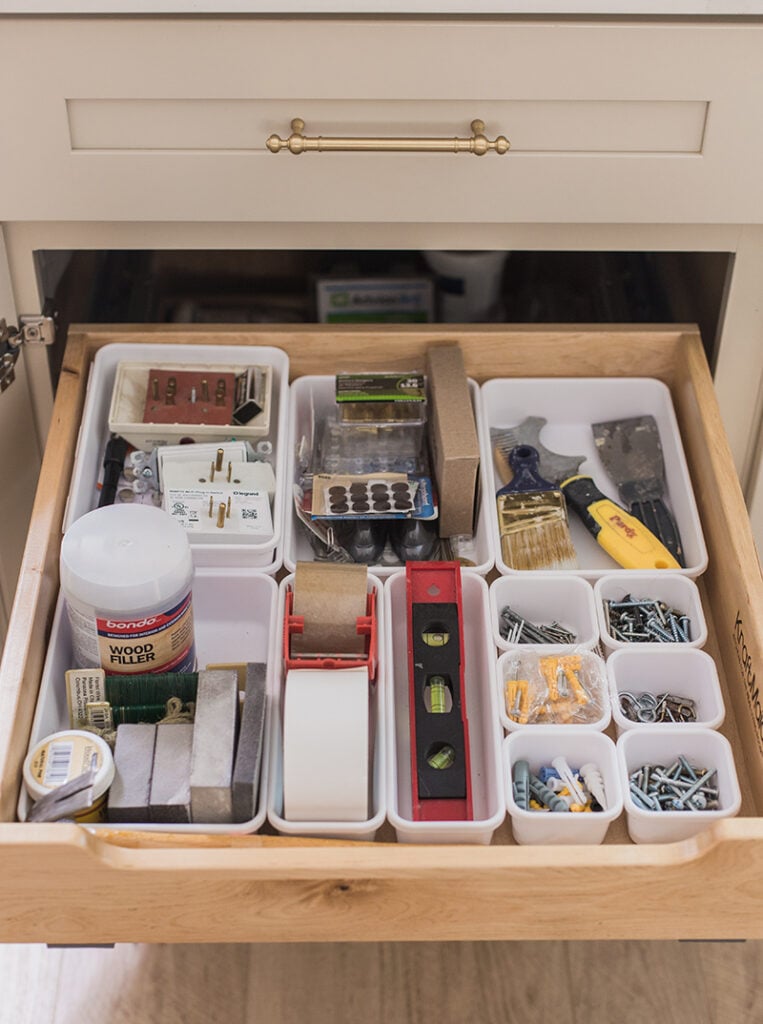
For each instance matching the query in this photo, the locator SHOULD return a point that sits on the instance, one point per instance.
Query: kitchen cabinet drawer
(156, 119)
(61, 883)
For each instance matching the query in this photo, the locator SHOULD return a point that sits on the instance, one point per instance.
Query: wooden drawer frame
(61, 883)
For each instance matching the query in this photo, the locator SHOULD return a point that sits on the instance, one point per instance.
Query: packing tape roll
(326, 745)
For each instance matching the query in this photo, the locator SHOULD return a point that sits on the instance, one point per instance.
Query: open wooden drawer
(61, 883)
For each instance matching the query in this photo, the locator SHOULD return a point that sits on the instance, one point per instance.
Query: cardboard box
(453, 439)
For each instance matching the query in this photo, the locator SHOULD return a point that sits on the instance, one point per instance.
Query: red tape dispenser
(440, 762)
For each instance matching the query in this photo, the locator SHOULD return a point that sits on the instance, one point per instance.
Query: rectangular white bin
(359, 830)
(543, 598)
(482, 713)
(312, 397)
(571, 406)
(265, 555)
(234, 621)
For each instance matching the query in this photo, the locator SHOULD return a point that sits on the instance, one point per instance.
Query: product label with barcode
(60, 760)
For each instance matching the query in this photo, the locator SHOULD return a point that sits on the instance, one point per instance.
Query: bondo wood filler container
(126, 573)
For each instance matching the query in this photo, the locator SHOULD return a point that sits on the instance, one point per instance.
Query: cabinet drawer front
(157, 120)
(123, 886)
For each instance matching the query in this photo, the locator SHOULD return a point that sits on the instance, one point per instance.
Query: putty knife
(631, 453)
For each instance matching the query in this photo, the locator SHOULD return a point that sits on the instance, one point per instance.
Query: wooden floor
(385, 983)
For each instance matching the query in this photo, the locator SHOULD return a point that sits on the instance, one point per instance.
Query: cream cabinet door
(159, 119)
(19, 460)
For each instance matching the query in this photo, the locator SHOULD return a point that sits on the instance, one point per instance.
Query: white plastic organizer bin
(571, 406)
(678, 592)
(311, 398)
(539, 748)
(233, 622)
(265, 555)
(655, 746)
(359, 830)
(688, 673)
(482, 714)
(522, 663)
(542, 599)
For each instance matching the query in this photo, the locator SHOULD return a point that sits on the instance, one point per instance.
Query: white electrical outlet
(227, 505)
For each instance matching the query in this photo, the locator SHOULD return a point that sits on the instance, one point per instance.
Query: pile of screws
(659, 707)
(647, 621)
(517, 630)
(681, 787)
(558, 788)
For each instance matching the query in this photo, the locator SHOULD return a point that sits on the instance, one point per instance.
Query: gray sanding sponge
(130, 792)
(248, 764)
(214, 747)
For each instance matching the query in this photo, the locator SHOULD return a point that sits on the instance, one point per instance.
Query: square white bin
(482, 714)
(234, 621)
(539, 748)
(360, 830)
(678, 592)
(524, 663)
(542, 599)
(570, 406)
(312, 397)
(684, 673)
(266, 554)
(654, 746)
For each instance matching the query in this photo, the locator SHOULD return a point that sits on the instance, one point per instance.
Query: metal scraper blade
(631, 453)
(553, 466)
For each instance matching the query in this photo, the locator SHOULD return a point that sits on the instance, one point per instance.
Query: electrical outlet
(229, 505)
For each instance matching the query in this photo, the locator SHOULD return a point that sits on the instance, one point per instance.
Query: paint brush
(532, 517)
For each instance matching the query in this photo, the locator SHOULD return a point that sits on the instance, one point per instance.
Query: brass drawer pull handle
(478, 144)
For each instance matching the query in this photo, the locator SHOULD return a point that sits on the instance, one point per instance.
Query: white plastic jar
(126, 574)
(57, 759)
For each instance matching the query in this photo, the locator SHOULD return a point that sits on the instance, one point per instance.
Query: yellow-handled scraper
(625, 538)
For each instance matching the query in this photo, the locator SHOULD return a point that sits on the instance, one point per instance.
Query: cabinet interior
(278, 286)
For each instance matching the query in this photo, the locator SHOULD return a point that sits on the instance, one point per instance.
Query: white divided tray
(233, 622)
(359, 830)
(482, 712)
(94, 434)
(571, 406)
(313, 397)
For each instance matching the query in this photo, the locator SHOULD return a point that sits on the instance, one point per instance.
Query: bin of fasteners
(649, 610)
(677, 781)
(661, 688)
(549, 610)
(541, 687)
(535, 786)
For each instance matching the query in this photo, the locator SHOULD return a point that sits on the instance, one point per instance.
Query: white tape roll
(325, 745)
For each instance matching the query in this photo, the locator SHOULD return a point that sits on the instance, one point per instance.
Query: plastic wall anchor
(521, 785)
(594, 783)
(566, 774)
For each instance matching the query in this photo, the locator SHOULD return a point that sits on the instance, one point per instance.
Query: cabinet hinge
(32, 330)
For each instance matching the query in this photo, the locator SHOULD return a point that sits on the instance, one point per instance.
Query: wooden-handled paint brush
(532, 517)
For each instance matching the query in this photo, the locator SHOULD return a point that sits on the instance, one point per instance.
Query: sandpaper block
(246, 770)
(214, 745)
(171, 781)
(130, 792)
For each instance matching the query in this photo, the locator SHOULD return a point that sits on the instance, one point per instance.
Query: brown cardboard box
(453, 439)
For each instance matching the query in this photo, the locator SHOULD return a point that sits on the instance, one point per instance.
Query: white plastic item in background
(678, 592)
(126, 574)
(377, 801)
(468, 285)
(543, 599)
(592, 666)
(685, 673)
(482, 713)
(234, 622)
(315, 396)
(326, 755)
(539, 748)
(571, 405)
(94, 434)
(703, 748)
